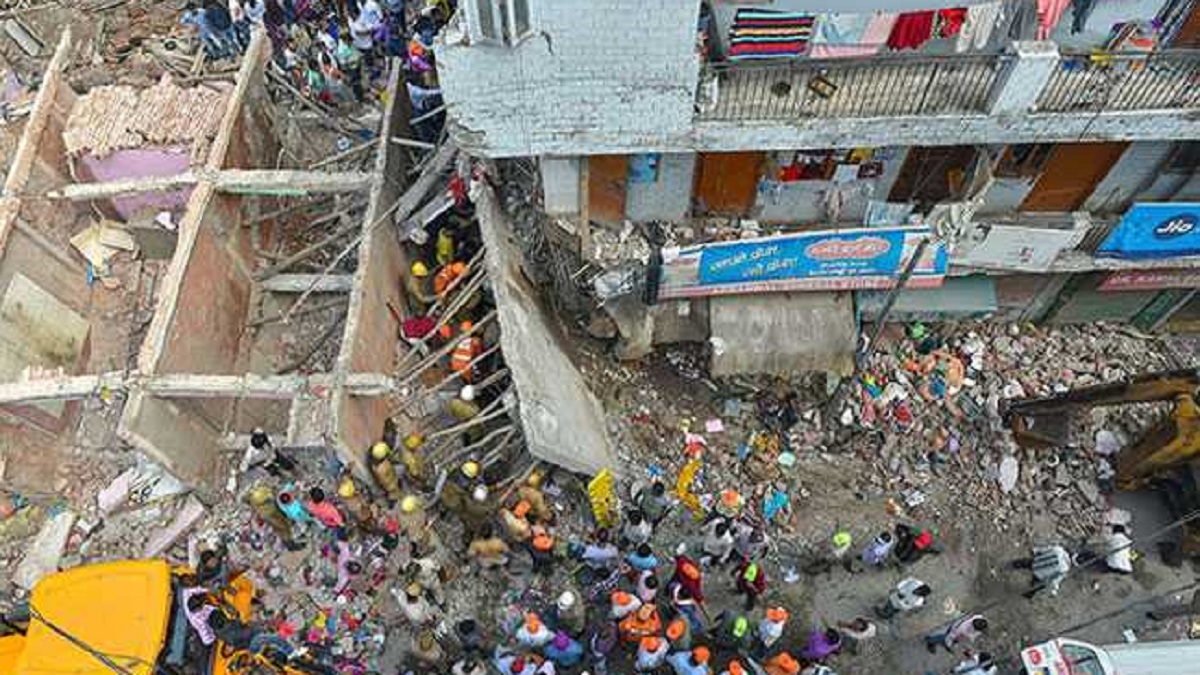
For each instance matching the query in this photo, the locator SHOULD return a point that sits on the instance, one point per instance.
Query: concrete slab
(45, 552)
(782, 333)
(562, 421)
(188, 516)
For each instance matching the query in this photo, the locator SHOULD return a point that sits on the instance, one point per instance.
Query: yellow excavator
(127, 618)
(1166, 457)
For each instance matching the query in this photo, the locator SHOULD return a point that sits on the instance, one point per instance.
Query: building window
(500, 21)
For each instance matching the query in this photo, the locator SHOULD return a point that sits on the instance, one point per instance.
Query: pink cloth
(199, 619)
(326, 513)
(1049, 12)
(873, 37)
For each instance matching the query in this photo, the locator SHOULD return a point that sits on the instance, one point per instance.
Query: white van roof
(1175, 657)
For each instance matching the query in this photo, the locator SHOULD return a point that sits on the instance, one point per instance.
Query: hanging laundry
(950, 22)
(1080, 11)
(977, 31)
(845, 35)
(912, 30)
(766, 34)
(1021, 17)
(1049, 12)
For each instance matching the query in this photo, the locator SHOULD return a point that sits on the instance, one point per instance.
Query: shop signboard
(1150, 280)
(830, 260)
(1155, 231)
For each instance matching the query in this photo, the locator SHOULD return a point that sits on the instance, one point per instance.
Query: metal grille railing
(866, 87)
(1114, 82)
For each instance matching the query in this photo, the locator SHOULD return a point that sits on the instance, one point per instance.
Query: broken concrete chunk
(1010, 469)
(186, 519)
(44, 554)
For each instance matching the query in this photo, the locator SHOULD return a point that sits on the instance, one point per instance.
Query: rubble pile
(918, 434)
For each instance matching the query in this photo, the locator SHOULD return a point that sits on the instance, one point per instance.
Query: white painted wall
(670, 197)
(560, 184)
(598, 74)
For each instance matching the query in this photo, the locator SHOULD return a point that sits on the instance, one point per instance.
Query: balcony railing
(867, 87)
(1117, 82)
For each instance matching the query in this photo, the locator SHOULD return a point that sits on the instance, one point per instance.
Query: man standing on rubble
(419, 288)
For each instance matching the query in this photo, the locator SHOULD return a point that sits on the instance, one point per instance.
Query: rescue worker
(645, 622)
(463, 408)
(533, 634)
(459, 486)
(358, 508)
(444, 246)
(428, 572)
(384, 471)
(693, 662)
(262, 500)
(734, 667)
(531, 492)
(477, 512)
(427, 651)
(446, 276)
(413, 461)
(751, 581)
(730, 504)
(1049, 565)
(489, 550)
(413, 522)
(569, 614)
(516, 525)
(651, 654)
(466, 348)
(419, 288)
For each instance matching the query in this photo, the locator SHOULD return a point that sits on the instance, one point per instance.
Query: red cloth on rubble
(912, 30)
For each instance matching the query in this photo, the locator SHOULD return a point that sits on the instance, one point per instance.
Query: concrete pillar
(560, 185)
(1019, 86)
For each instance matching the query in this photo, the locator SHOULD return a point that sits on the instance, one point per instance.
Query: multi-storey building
(1048, 147)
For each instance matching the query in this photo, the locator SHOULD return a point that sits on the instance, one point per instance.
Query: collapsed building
(224, 333)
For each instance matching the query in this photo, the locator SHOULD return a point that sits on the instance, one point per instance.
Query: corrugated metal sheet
(782, 333)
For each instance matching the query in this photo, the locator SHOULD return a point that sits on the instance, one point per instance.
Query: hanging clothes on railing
(912, 30)
(845, 35)
(1049, 12)
(1022, 18)
(767, 34)
(949, 22)
(1080, 11)
(977, 31)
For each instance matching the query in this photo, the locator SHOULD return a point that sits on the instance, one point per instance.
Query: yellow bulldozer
(128, 618)
(1167, 457)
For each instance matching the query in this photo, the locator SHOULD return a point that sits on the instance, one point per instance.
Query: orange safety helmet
(521, 509)
(735, 668)
(690, 571)
(466, 327)
(786, 663)
(621, 598)
(777, 614)
(701, 654)
(651, 643)
(676, 628)
(533, 623)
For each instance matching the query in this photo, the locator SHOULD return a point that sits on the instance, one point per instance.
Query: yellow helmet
(535, 479)
(470, 469)
(410, 504)
(260, 495)
(346, 488)
(419, 269)
(380, 450)
(414, 441)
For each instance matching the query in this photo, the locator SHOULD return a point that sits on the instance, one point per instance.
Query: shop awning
(958, 298)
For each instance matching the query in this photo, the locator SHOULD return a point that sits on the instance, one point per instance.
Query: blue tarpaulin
(1155, 231)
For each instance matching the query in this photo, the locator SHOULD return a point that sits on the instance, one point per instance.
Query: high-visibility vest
(466, 350)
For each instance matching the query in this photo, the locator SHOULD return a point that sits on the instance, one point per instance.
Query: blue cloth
(642, 564)
(681, 662)
(567, 657)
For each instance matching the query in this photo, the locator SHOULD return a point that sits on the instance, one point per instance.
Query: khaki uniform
(538, 508)
(385, 474)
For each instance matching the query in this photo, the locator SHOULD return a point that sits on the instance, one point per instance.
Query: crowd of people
(336, 52)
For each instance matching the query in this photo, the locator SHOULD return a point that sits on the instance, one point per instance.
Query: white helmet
(480, 493)
(467, 393)
(566, 601)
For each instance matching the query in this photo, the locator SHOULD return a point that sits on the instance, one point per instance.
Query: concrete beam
(186, 385)
(235, 181)
(1075, 262)
(251, 181)
(302, 283)
(1021, 84)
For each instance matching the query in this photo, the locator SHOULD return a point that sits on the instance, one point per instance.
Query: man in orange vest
(447, 276)
(645, 622)
(465, 350)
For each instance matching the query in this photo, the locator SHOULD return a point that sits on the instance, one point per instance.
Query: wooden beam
(298, 283)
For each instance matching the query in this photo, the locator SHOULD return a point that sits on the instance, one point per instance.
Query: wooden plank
(727, 182)
(299, 283)
(1071, 174)
(606, 187)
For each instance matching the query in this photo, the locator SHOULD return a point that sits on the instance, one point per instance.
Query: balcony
(882, 86)
(1123, 82)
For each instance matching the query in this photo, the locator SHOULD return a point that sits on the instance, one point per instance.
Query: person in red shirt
(751, 581)
(323, 510)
